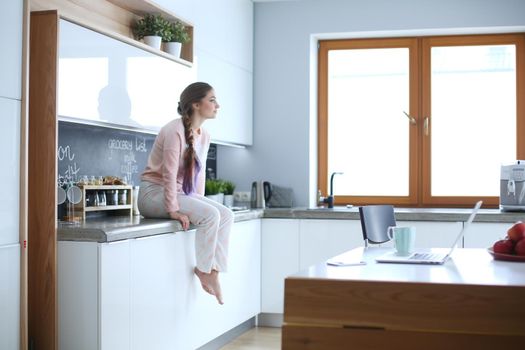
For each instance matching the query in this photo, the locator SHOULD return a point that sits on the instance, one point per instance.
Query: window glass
(368, 134)
(473, 118)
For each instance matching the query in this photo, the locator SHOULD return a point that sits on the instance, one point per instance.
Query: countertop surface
(116, 228)
(109, 229)
(402, 214)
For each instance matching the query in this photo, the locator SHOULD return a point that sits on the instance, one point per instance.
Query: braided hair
(193, 93)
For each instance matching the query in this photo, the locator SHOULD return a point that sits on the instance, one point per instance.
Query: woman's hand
(183, 219)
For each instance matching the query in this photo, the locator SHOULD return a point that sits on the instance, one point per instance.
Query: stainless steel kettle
(261, 192)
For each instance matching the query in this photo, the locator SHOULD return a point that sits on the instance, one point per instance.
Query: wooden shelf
(126, 209)
(108, 207)
(115, 19)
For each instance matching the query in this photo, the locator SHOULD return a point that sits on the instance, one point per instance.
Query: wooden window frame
(419, 80)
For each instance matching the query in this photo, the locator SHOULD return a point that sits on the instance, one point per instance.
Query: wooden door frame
(42, 175)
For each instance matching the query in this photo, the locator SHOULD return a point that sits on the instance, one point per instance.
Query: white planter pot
(153, 41)
(228, 200)
(173, 48)
(219, 198)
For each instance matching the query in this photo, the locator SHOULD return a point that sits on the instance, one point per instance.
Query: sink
(335, 208)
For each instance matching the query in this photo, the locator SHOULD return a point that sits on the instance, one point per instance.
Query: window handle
(412, 119)
(425, 125)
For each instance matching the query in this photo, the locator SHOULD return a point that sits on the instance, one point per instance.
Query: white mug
(404, 238)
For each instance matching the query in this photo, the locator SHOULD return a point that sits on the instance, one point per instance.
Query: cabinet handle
(425, 125)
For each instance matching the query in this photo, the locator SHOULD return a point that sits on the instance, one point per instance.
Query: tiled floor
(257, 338)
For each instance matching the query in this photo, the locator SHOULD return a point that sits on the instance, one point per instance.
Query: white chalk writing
(64, 152)
(120, 144)
(140, 144)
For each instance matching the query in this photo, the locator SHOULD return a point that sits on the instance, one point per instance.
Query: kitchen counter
(109, 229)
(402, 214)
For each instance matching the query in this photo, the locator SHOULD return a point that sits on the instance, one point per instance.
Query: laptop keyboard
(426, 256)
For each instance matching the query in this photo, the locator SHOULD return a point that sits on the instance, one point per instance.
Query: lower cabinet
(483, 235)
(142, 293)
(10, 297)
(434, 234)
(290, 245)
(322, 239)
(280, 258)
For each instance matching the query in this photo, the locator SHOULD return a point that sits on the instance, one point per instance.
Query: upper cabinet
(136, 86)
(11, 19)
(104, 80)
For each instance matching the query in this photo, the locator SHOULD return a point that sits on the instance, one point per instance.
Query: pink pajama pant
(213, 222)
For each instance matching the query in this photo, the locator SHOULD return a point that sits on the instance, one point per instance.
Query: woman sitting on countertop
(172, 184)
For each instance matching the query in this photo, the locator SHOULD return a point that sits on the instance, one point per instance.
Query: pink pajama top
(165, 163)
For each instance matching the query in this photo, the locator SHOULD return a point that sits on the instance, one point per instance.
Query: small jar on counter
(123, 197)
(112, 197)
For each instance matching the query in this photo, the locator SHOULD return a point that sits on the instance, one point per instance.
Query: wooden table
(470, 302)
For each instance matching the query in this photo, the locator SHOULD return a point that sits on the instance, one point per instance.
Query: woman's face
(208, 106)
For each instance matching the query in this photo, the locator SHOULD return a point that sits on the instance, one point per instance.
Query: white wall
(285, 89)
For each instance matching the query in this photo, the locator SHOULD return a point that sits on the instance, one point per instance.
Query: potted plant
(213, 190)
(174, 36)
(151, 29)
(228, 188)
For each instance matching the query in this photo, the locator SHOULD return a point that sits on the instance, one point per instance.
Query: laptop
(426, 257)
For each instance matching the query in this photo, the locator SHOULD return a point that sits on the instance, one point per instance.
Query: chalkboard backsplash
(100, 151)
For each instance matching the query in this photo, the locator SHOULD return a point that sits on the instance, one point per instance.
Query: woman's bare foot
(205, 279)
(216, 286)
(210, 283)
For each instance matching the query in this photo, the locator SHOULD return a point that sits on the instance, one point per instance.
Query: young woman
(173, 184)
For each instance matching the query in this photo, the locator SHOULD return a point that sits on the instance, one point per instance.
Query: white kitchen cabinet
(11, 23)
(280, 258)
(154, 289)
(10, 177)
(115, 295)
(142, 294)
(323, 239)
(10, 297)
(484, 234)
(433, 234)
(104, 80)
(234, 122)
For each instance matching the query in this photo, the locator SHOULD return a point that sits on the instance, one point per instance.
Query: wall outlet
(241, 196)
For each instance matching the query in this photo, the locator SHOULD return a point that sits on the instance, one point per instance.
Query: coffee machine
(512, 187)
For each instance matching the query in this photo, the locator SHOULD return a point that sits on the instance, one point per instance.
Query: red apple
(504, 246)
(519, 248)
(517, 231)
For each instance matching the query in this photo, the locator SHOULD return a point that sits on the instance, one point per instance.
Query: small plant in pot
(213, 190)
(228, 189)
(174, 36)
(151, 29)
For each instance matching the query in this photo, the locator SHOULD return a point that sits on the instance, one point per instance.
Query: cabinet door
(241, 288)
(154, 291)
(10, 296)
(280, 258)
(105, 80)
(484, 234)
(115, 295)
(78, 295)
(432, 234)
(323, 239)
(11, 23)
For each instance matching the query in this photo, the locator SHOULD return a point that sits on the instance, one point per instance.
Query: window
(420, 121)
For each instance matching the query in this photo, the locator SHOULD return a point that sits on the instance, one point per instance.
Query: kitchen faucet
(330, 199)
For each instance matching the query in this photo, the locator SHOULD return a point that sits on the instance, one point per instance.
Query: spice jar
(123, 197)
